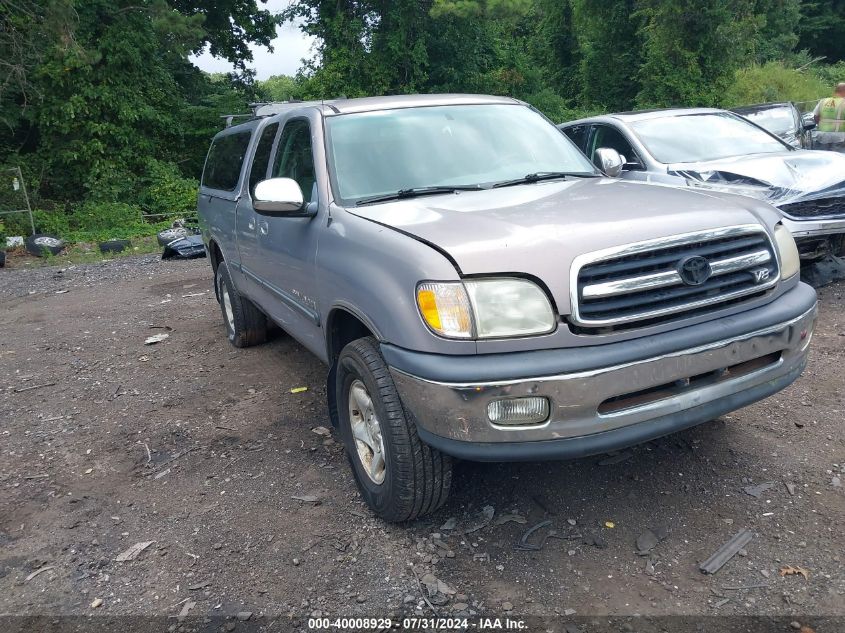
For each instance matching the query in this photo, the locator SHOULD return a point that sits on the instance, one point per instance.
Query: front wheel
(399, 476)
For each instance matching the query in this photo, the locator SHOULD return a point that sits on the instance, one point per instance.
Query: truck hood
(538, 229)
(779, 178)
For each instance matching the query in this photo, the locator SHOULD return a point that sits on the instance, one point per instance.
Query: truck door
(247, 219)
(287, 247)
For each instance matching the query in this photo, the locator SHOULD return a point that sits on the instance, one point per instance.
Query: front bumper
(813, 227)
(595, 409)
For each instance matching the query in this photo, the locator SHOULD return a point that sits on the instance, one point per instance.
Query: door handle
(251, 224)
(263, 228)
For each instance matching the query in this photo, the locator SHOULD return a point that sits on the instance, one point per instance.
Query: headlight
(790, 261)
(485, 308)
(509, 307)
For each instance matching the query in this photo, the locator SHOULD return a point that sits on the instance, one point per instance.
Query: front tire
(400, 477)
(245, 324)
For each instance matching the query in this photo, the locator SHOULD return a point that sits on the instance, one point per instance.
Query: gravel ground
(201, 449)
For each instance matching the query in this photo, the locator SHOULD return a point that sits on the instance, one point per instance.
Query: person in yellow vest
(830, 119)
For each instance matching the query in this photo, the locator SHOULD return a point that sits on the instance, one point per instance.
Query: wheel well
(215, 254)
(342, 327)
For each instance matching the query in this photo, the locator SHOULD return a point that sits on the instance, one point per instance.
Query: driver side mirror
(280, 197)
(808, 122)
(609, 161)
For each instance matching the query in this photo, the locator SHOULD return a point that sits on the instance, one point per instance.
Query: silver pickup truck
(479, 290)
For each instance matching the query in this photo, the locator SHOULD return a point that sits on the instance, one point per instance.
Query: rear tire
(415, 479)
(245, 324)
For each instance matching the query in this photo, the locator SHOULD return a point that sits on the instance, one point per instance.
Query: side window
(225, 160)
(262, 156)
(608, 136)
(578, 135)
(294, 158)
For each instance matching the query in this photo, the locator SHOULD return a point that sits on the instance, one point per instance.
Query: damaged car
(784, 120)
(717, 151)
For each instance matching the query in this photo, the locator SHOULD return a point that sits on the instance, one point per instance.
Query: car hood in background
(539, 229)
(779, 178)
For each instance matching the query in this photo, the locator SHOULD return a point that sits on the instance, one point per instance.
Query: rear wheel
(245, 324)
(399, 476)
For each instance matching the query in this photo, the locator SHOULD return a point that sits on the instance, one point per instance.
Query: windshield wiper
(543, 175)
(413, 192)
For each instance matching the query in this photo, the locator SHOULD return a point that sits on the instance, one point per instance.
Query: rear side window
(262, 156)
(225, 160)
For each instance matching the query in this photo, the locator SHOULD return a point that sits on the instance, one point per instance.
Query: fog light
(516, 411)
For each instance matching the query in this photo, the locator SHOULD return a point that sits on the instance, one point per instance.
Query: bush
(89, 222)
(774, 82)
(45, 222)
(98, 221)
(166, 192)
(829, 75)
(556, 107)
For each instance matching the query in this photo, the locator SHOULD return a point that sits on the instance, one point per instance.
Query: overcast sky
(289, 47)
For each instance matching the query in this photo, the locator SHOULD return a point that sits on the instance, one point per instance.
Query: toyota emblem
(694, 270)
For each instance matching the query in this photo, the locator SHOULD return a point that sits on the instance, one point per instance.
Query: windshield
(377, 153)
(693, 138)
(776, 120)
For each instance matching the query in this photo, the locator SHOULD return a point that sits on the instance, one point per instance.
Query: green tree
(111, 89)
(611, 52)
(777, 28)
(556, 47)
(278, 88)
(343, 29)
(28, 28)
(822, 28)
(692, 49)
(228, 27)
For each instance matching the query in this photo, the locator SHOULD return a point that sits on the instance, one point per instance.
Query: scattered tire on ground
(41, 243)
(168, 235)
(114, 246)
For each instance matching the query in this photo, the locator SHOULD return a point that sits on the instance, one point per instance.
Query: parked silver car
(784, 120)
(714, 150)
(477, 289)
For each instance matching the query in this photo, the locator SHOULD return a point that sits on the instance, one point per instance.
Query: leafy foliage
(108, 119)
(773, 81)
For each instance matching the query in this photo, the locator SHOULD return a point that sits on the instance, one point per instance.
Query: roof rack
(262, 109)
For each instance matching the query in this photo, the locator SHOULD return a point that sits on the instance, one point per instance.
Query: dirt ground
(202, 448)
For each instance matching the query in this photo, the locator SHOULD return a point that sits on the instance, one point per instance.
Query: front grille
(641, 284)
(819, 208)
